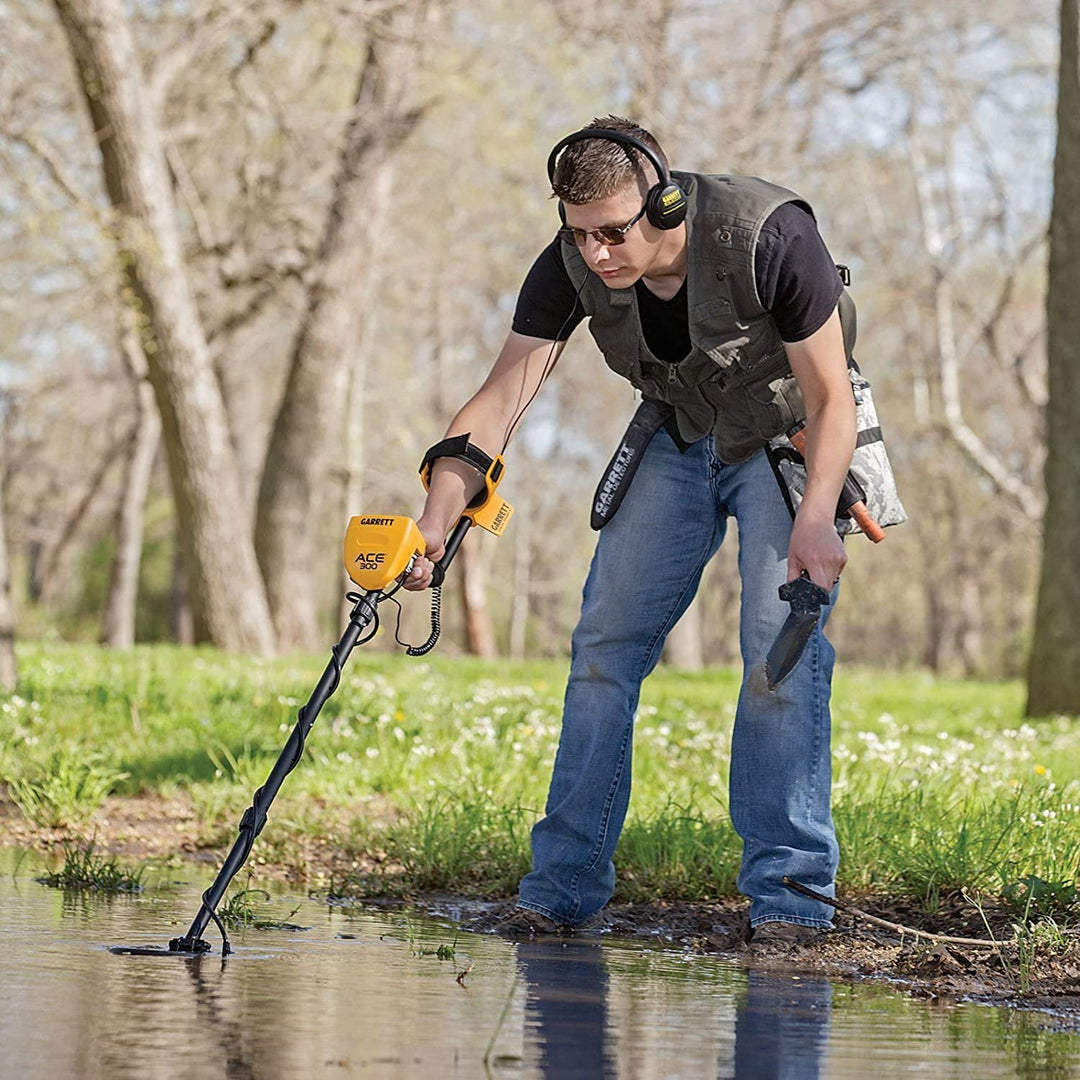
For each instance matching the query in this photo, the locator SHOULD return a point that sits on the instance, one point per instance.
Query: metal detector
(379, 553)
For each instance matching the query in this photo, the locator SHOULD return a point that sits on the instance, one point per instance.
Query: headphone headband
(608, 135)
(665, 203)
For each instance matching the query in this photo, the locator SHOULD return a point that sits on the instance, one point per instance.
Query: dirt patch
(152, 827)
(135, 828)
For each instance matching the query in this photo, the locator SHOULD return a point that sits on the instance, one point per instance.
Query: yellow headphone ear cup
(666, 206)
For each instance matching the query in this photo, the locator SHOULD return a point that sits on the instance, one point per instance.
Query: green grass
(432, 771)
(239, 912)
(446, 950)
(82, 869)
(65, 789)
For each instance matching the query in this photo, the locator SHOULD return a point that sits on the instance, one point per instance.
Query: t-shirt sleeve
(548, 306)
(797, 280)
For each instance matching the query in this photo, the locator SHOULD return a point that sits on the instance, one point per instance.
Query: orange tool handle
(861, 516)
(850, 497)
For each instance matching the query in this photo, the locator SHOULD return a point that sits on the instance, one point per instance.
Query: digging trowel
(806, 600)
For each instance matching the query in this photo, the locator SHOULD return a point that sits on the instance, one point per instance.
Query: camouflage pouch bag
(870, 465)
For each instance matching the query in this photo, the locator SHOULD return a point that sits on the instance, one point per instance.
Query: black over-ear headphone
(665, 203)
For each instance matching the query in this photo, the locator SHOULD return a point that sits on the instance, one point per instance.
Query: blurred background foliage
(923, 135)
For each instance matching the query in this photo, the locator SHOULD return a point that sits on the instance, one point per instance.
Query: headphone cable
(549, 365)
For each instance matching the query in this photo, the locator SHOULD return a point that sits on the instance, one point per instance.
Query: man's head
(604, 185)
(593, 169)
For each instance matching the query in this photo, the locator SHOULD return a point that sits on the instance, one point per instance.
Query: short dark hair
(597, 168)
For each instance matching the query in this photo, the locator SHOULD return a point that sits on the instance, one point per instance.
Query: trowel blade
(806, 600)
(787, 649)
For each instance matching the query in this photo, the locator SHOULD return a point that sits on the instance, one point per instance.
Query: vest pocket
(709, 309)
(775, 407)
(621, 363)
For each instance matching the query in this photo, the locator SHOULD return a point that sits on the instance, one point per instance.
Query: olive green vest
(736, 381)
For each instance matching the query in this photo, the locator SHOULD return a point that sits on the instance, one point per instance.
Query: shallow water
(353, 995)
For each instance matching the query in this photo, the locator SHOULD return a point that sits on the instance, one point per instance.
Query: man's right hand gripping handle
(453, 484)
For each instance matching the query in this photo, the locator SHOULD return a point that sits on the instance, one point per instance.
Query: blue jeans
(646, 569)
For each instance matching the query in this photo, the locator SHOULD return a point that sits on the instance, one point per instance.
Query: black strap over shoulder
(649, 418)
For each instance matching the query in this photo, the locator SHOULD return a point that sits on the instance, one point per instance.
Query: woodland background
(254, 255)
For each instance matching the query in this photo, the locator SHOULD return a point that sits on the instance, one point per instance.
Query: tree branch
(980, 455)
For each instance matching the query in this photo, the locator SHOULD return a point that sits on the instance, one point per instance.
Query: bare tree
(8, 666)
(249, 97)
(118, 628)
(1054, 674)
(939, 243)
(230, 601)
(521, 581)
(308, 430)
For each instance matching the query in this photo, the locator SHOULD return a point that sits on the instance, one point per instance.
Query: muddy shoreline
(151, 828)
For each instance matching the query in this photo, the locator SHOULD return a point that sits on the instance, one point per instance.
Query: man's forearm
(455, 483)
(830, 442)
(487, 417)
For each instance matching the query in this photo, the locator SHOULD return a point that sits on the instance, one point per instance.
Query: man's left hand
(816, 547)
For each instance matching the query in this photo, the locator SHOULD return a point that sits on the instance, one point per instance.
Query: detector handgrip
(438, 572)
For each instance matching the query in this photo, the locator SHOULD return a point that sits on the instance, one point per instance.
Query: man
(717, 298)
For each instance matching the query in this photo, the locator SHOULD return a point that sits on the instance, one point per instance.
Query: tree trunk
(51, 570)
(352, 492)
(118, 630)
(520, 604)
(682, 650)
(479, 638)
(181, 620)
(307, 430)
(969, 632)
(934, 655)
(1054, 672)
(8, 667)
(229, 599)
(357, 362)
(469, 568)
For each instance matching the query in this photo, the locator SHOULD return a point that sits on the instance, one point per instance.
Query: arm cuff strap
(459, 447)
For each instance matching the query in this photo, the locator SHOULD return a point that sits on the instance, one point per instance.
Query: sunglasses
(608, 235)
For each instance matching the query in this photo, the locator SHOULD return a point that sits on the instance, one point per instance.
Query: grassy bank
(427, 774)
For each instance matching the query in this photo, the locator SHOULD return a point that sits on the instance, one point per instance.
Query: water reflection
(781, 1022)
(355, 995)
(781, 1027)
(566, 1007)
(213, 1015)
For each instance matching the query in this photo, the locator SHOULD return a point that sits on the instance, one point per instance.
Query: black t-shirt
(797, 282)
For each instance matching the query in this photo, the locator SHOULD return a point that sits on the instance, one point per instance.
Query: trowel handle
(861, 516)
(438, 572)
(805, 596)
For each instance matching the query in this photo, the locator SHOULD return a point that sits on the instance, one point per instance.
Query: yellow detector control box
(378, 550)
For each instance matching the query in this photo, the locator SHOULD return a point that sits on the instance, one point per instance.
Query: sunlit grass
(433, 771)
(82, 869)
(65, 788)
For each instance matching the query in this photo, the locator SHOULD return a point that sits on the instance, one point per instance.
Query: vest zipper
(672, 373)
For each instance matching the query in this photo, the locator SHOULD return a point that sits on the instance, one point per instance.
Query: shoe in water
(526, 923)
(784, 934)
